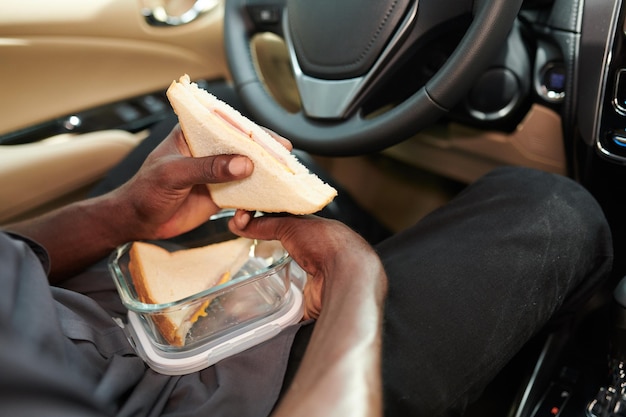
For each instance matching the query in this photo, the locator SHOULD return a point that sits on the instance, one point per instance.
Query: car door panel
(65, 56)
(36, 174)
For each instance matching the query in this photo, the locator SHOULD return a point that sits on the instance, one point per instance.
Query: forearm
(341, 372)
(79, 234)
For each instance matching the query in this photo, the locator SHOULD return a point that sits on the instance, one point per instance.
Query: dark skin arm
(340, 374)
(167, 197)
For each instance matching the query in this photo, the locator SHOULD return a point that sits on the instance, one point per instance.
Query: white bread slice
(160, 276)
(279, 183)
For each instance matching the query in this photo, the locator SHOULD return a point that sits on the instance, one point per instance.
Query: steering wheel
(342, 52)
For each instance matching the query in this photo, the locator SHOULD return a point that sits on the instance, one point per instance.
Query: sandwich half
(279, 183)
(160, 277)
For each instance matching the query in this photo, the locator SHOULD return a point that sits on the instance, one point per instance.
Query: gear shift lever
(611, 401)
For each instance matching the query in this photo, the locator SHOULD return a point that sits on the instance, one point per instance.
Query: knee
(563, 206)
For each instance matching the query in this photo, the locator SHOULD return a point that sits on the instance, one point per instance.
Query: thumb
(223, 168)
(210, 169)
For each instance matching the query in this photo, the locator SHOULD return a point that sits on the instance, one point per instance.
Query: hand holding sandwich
(169, 193)
(346, 290)
(167, 197)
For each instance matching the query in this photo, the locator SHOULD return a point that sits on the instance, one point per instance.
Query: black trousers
(470, 283)
(474, 280)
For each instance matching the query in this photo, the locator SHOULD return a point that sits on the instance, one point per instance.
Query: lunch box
(260, 300)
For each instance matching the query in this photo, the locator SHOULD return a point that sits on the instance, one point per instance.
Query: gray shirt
(62, 353)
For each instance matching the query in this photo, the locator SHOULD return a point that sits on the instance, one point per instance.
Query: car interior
(401, 104)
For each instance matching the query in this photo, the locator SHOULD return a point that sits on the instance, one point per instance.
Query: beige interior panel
(271, 59)
(62, 56)
(464, 153)
(402, 184)
(34, 174)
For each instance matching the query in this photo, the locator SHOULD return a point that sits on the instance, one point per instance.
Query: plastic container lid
(185, 362)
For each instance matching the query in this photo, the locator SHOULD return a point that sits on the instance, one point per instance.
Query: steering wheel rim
(355, 134)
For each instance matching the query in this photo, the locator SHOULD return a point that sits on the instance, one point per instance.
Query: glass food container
(257, 302)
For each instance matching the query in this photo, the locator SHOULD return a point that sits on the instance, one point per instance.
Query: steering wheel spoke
(337, 98)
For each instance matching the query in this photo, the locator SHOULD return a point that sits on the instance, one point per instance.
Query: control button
(553, 82)
(619, 97)
(619, 138)
(127, 112)
(620, 408)
(553, 401)
(72, 123)
(265, 15)
(612, 143)
(152, 104)
(601, 405)
(494, 95)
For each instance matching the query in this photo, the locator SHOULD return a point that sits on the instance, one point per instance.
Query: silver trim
(499, 114)
(543, 90)
(619, 107)
(524, 404)
(607, 61)
(157, 15)
(331, 99)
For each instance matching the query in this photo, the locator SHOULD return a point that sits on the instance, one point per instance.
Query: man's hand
(322, 247)
(340, 373)
(168, 196)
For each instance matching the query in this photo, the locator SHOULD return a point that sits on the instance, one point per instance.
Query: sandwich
(160, 277)
(279, 183)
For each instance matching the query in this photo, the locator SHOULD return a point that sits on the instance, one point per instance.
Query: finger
(223, 168)
(312, 294)
(280, 139)
(241, 219)
(180, 141)
(265, 227)
(240, 167)
(295, 234)
(183, 172)
(240, 224)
